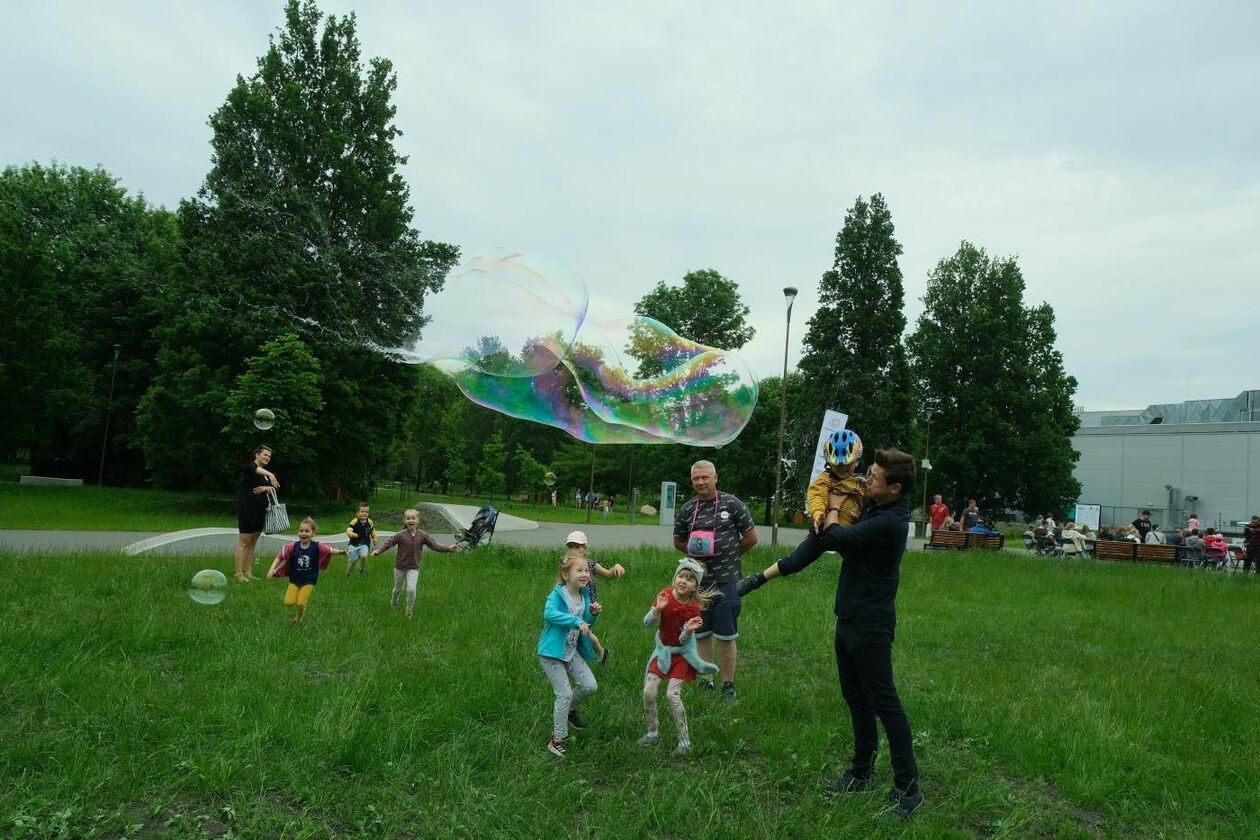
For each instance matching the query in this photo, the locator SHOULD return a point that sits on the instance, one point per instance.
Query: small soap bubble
(209, 586)
(549, 479)
(264, 419)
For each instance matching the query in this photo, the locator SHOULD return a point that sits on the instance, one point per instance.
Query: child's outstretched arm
(654, 612)
(385, 546)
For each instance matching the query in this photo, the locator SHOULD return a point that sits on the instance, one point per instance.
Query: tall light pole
(789, 294)
(109, 410)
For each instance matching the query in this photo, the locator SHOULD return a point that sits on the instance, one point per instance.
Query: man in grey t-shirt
(727, 520)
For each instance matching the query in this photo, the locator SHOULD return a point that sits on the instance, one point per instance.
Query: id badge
(700, 544)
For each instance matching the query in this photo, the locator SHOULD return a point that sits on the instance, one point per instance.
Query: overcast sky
(1114, 148)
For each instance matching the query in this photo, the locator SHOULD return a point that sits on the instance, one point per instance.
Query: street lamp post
(109, 410)
(789, 294)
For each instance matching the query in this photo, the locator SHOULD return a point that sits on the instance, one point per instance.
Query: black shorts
(721, 619)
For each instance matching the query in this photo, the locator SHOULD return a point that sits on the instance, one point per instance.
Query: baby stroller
(481, 529)
(1042, 543)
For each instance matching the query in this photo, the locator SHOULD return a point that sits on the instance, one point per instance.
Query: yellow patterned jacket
(851, 487)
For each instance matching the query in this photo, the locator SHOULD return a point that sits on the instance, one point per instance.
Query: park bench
(946, 540)
(987, 542)
(1115, 549)
(1153, 553)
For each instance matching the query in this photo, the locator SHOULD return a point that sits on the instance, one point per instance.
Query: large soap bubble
(209, 586)
(264, 419)
(602, 381)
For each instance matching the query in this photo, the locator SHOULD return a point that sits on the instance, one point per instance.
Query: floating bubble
(264, 419)
(549, 479)
(602, 381)
(209, 586)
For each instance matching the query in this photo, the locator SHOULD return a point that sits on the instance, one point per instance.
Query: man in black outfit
(1142, 525)
(865, 621)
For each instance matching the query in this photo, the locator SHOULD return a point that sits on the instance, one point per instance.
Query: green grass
(1048, 699)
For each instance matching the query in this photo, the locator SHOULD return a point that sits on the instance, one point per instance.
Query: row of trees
(299, 254)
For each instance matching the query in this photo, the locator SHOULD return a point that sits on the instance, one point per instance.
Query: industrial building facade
(1201, 456)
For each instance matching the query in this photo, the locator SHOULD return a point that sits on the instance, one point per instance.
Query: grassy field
(92, 508)
(1049, 699)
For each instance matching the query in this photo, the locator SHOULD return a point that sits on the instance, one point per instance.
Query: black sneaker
(849, 783)
(603, 659)
(728, 691)
(905, 804)
(576, 720)
(558, 748)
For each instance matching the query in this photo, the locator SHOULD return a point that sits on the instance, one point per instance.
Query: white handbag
(277, 520)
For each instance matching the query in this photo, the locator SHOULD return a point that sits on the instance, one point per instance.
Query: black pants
(864, 663)
(1252, 556)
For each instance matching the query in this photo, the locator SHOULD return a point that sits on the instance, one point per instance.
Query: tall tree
(853, 358)
(706, 308)
(992, 387)
(303, 225)
(81, 266)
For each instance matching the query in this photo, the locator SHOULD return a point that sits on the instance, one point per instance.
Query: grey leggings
(408, 578)
(673, 696)
(567, 698)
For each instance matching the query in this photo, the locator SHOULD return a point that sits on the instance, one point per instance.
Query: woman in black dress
(252, 510)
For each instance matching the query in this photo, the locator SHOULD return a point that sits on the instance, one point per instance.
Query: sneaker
(905, 804)
(603, 659)
(849, 783)
(557, 748)
(704, 685)
(650, 740)
(683, 748)
(409, 614)
(362, 572)
(576, 720)
(728, 691)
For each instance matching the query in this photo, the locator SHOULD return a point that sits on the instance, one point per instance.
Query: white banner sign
(833, 421)
(1088, 515)
(669, 499)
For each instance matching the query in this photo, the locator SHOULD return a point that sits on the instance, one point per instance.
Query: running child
(576, 543)
(301, 560)
(411, 542)
(564, 648)
(362, 534)
(677, 609)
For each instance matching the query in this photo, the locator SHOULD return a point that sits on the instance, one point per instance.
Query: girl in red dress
(677, 609)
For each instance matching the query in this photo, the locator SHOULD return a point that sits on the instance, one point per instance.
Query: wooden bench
(1154, 553)
(946, 540)
(1115, 549)
(987, 542)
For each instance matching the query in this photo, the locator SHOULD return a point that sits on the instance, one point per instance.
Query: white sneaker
(683, 748)
(650, 740)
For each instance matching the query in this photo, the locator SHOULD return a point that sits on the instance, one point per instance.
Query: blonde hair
(703, 596)
(311, 522)
(570, 559)
(412, 510)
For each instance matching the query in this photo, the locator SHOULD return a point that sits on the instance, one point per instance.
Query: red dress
(672, 619)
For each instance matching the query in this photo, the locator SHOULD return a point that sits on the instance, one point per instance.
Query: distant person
(937, 513)
(1155, 536)
(1214, 546)
(970, 516)
(411, 542)
(1251, 539)
(1194, 540)
(985, 527)
(302, 560)
(362, 534)
(1049, 523)
(251, 516)
(1073, 540)
(1142, 525)
(1193, 524)
(951, 525)
(1176, 537)
(564, 648)
(553, 498)
(1105, 533)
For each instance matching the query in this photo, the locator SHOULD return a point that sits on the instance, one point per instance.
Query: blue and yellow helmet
(842, 448)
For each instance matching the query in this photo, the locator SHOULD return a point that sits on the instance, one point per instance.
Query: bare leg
(726, 655)
(244, 555)
(704, 647)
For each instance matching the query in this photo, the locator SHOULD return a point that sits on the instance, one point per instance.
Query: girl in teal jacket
(565, 647)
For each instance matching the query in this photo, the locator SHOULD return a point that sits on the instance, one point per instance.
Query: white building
(1201, 456)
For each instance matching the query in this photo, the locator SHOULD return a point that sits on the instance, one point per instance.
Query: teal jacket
(557, 623)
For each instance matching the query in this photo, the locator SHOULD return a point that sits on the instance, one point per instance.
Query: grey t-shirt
(729, 520)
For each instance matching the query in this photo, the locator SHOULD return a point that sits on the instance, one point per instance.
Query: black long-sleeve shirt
(871, 570)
